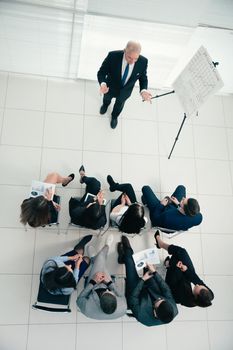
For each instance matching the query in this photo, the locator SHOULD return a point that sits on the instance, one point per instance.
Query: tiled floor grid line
(49, 124)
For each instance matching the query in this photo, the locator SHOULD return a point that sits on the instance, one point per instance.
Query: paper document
(147, 256)
(39, 188)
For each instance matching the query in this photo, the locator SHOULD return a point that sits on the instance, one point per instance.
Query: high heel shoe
(155, 236)
(112, 183)
(167, 262)
(82, 173)
(72, 176)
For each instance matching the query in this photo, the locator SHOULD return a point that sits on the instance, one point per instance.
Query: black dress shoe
(113, 123)
(81, 169)
(167, 262)
(121, 253)
(81, 244)
(103, 109)
(112, 183)
(125, 242)
(155, 236)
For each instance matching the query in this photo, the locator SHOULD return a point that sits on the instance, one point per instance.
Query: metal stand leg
(176, 139)
(177, 136)
(166, 93)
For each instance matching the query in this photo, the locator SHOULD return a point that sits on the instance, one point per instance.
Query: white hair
(133, 46)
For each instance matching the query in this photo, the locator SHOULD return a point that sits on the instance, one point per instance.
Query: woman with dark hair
(181, 275)
(60, 274)
(126, 212)
(42, 210)
(89, 211)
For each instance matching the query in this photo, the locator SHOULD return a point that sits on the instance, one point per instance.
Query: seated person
(90, 213)
(176, 212)
(42, 210)
(100, 298)
(149, 297)
(181, 275)
(126, 212)
(60, 274)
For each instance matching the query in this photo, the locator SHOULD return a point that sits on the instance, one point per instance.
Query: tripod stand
(208, 65)
(177, 136)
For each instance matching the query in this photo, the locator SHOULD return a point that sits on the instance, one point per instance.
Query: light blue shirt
(49, 266)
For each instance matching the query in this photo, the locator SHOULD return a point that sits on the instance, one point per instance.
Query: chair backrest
(112, 223)
(55, 214)
(44, 297)
(168, 232)
(107, 212)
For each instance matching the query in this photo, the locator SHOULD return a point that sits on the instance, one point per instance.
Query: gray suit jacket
(89, 303)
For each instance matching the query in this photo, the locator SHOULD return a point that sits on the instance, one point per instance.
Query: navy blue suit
(169, 216)
(110, 72)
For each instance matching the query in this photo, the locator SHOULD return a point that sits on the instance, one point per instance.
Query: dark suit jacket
(140, 301)
(110, 73)
(78, 214)
(180, 282)
(170, 217)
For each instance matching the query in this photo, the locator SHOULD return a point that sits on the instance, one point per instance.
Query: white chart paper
(197, 82)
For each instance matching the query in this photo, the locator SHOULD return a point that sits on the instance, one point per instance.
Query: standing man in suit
(117, 76)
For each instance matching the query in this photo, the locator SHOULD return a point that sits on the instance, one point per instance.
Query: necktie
(123, 79)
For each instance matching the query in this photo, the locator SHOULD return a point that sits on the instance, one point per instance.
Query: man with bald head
(117, 76)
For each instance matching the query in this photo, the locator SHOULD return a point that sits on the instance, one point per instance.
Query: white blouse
(116, 217)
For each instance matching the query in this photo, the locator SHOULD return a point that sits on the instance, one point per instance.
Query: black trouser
(132, 277)
(92, 186)
(177, 254)
(118, 105)
(154, 205)
(127, 189)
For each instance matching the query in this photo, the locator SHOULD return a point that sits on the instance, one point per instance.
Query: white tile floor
(52, 124)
